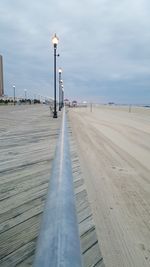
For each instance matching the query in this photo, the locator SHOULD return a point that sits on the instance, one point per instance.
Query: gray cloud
(104, 48)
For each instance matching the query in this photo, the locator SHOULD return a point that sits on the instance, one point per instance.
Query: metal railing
(59, 243)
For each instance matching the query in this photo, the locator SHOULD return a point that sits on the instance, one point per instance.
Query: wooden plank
(19, 235)
(27, 262)
(88, 239)
(14, 214)
(8, 190)
(92, 257)
(28, 138)
(23, 197)
(23, 255)
(27, 149)
(6, 225)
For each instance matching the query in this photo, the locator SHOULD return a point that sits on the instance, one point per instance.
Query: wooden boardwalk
(28, 138)
(27, 144)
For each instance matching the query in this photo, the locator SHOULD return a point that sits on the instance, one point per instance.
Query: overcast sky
(104, 48)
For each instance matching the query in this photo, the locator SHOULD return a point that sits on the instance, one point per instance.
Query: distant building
(1, 77)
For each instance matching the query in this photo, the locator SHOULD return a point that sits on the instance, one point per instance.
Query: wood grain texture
(28, 136)
(27, 143)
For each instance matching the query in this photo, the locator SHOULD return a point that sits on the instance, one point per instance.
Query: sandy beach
(114, 150)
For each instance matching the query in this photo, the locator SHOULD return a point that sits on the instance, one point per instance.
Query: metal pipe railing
(59, 243)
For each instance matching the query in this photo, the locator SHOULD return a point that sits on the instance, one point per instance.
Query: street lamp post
(62, 95)
(60, 89)
(55, 42)
(14, 89)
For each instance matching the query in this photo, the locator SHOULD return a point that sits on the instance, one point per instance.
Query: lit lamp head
(14, 86)
(55, 40)
(60, 70)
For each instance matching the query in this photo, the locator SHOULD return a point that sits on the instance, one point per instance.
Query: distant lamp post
(25, 94)
(14, 91)
(61, 81)
(60, 89)
(62, 95)
(55, 43)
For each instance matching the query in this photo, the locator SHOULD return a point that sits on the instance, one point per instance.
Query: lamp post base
(55, 115)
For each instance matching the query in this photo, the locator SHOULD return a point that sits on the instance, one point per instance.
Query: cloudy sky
(104, 48)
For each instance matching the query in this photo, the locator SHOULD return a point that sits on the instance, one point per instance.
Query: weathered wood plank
(8, 190)
(19, 235)
(23, 197)
(21, 255)
(24, 172)
(92, 257)
(28, 145)
(28, 138)
(6, 225)
(14, 214)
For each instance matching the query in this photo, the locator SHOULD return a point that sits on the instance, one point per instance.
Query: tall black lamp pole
(55, 42)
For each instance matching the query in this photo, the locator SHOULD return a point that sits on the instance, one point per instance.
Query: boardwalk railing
(59, 244)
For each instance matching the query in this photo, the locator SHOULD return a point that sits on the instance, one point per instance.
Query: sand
(114, 150)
